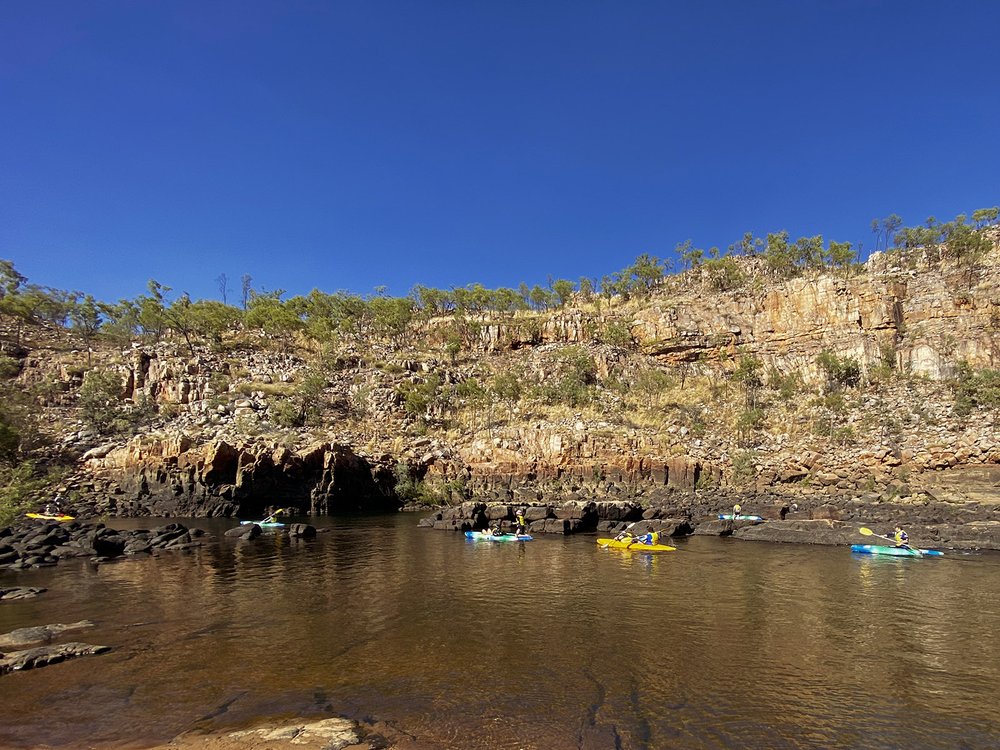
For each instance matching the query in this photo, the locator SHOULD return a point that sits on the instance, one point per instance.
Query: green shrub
(9, 367)
(975, 390)
(839, 371)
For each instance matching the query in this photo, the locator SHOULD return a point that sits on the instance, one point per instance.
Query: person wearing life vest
(522, 524)
(274, 516)
(736, 510)
(650, 537)
(900, 537)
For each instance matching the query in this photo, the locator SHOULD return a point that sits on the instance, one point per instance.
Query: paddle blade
(866, 532)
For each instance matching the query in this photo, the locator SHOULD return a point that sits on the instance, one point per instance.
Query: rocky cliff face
(905, 443)
(171, 475)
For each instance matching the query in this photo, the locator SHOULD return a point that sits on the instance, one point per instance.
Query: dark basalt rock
(245, 531)
(27, 545)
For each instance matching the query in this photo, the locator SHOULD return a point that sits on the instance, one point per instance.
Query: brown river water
(548, 644)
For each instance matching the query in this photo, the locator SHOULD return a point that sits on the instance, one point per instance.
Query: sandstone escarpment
(236, 426)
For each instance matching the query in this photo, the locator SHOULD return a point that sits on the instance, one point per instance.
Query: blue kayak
(880, 549)
(731, 517)
(480, 536)
(263, 525)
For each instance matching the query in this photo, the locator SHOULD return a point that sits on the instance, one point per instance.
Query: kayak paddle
(605, 546)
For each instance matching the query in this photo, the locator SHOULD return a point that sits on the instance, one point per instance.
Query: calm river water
(549, 644)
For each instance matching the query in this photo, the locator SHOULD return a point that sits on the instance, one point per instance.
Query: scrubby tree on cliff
(778, 255)
(974, 389)
(723, 273)
(102, 404)
(985, 216)
(563, 289)
(391, 317)
(246, 287)
(885, 230)
(839, 371)
(842, 255)
(966, 244)
(645, 273)
(86, 318)
(275, 318)
(749, 246)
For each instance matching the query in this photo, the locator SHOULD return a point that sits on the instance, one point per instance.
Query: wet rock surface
(42, 544)
(41, 656)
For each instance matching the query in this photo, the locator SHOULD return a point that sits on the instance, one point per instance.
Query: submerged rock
(40, 633)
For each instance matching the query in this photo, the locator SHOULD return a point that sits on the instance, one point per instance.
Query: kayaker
(650, 537)
(736, 510)
(273, 517)
(900, 537)
(522, 524)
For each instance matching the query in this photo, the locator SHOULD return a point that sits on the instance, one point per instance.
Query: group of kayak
(648, 542)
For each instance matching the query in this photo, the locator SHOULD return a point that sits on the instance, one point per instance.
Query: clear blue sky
(346, 145)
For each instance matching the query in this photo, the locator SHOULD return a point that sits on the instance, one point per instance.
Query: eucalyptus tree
(779, 255)
(985, 216)
(391, 316)
(275, 318)
(563, 290)
(841, 255)
(86, 317)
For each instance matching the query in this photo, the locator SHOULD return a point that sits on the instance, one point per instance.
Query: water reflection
(550, 644)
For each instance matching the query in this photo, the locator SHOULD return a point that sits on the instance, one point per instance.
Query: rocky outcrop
(40, 545)
(172, 475)
(41, 656)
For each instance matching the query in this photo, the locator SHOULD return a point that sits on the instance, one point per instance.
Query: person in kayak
(522, 524)
(650, 537)
(736, 510)
(273, 518)
(900, 537)
(625, 534)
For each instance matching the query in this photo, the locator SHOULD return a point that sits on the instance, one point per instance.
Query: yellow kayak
(49, 517)
(635, 546)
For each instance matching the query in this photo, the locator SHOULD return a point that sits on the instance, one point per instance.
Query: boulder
(245, 531)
